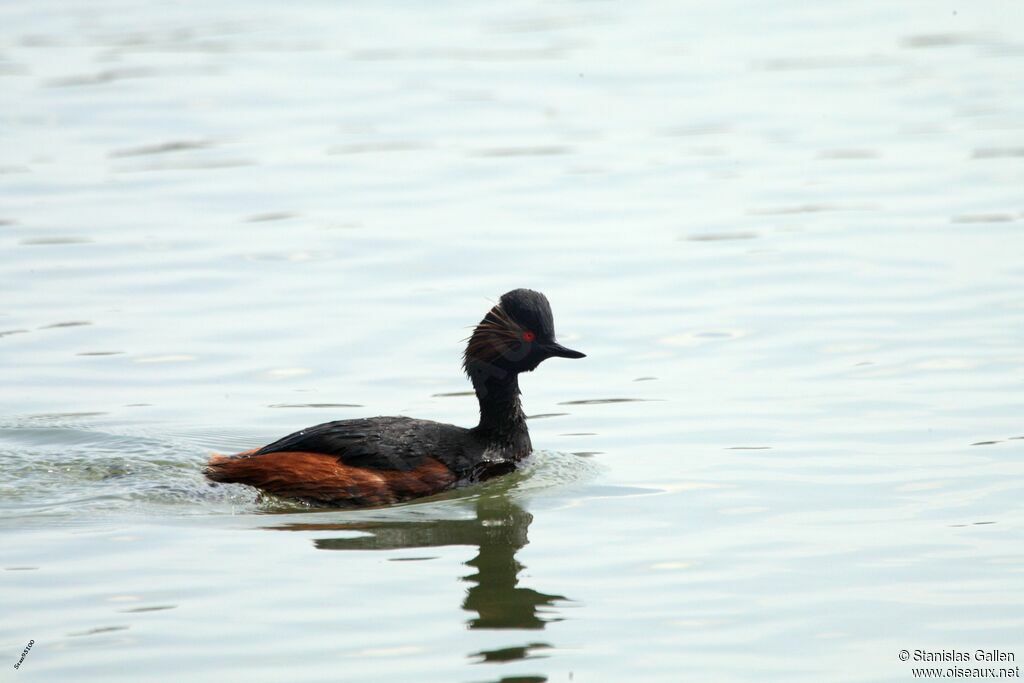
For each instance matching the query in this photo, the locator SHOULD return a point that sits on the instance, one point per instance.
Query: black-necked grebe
(382, 460)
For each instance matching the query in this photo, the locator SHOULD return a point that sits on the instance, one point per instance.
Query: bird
(378, 461)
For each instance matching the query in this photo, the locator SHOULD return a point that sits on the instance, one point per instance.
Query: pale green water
(792, 235)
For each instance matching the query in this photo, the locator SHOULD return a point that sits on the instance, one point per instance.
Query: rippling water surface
(790, 238)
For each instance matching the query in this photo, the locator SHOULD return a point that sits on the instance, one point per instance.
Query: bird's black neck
(502, 421)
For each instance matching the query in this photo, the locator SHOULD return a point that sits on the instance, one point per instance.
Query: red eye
(529, 336)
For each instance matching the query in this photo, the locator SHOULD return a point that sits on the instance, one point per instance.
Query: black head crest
(531, 311)
(514, 336)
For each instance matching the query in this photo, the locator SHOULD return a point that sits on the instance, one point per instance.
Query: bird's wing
(385, 443)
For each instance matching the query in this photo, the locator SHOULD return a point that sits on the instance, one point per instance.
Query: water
(788, 237)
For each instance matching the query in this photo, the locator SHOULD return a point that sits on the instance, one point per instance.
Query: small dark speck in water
(270, 216)
(579, 434)
(550, 150)
(933, 40)
(699, 129)
(587, 454)
(984, 443)
(801, 63)
(315, 405)
(721, 236)
(749, 448)
(984, 218)
(539, 24)
(596, 401)
(20, 569)
(99, 78)
(374, 147)
(58, 416)
(541, 416)
(100, 629)
(808, 208)
(998, 152)
(289, 256)
(447, 394)
(6, 221)
(154, 608)
(982, 523)
(38, 40)
(99, 353)
(161, 148)
(7, 333)
(137, 405)
(48, 241)
(1012, 438)
(848, 154)
(69, 323)
(412, 559)
(210, 165)
(645, 379)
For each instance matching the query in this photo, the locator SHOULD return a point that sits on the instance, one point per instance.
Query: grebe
(383, 460)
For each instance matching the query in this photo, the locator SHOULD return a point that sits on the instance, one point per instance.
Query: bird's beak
(556, 349)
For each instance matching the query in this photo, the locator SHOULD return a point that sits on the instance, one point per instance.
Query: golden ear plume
(495, 335)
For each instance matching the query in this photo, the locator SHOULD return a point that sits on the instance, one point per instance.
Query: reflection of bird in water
(499, 530)
(496, 598)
